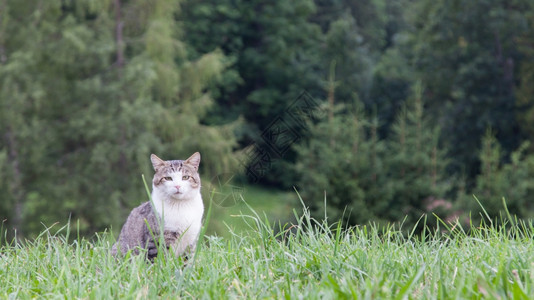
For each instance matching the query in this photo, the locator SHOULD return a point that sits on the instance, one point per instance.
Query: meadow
(306, 259)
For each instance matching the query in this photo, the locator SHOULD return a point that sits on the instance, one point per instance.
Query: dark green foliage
(270, 46)
(466, 54)
(367, 179)
(341, 166)
(525, 91)
(272, 51)
(497, 180)
(278, 49)
(416, 162)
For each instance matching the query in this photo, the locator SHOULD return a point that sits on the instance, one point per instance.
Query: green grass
(306, 260)
(229, 204)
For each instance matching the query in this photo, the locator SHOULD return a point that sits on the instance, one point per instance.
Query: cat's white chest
(184, 217)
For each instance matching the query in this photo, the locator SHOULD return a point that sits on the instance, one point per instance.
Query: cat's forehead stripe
(176, 165)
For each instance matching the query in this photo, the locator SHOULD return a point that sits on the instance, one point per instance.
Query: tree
(525, 90)
(368, 179)
(341, 166)
(26, 133)
(276, 51)
(393, 75)
(90, 89)
(497, 180)
(468, 70)
(416, 163)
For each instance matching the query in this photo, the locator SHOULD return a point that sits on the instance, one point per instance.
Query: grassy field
(304, 260)
(229, 204)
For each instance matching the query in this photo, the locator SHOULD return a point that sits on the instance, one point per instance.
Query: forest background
(388, 109)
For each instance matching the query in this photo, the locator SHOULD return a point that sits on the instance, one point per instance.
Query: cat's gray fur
(135, 233)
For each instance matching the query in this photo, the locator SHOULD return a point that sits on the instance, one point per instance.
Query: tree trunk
(15, 186)
(118, 35)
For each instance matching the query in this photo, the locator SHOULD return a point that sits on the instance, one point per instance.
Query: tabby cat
(177, 204)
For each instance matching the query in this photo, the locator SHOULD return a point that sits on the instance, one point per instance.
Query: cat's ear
(157, 162)
(194, 160)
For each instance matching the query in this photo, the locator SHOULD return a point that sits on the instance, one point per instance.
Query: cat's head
(176, 179)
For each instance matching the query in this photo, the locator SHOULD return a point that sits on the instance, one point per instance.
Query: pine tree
(525, 91)
(27, 139)
(416, 163)
(340, 167)
(90, 89)
(279, 49)
(497, 180)
(465, 52)
(365, 178)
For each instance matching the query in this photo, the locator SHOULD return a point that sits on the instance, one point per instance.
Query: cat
(176, 202)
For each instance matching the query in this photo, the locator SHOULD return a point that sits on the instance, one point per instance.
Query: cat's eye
(168, 178)
(185, 177)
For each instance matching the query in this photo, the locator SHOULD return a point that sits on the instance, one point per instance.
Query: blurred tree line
(88, 90)
(420, 103)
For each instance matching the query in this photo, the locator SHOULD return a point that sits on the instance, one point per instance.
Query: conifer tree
(467, 56)
(525, 91)
(278, 50)
(510, 180)
(340, 166)
(416, 163)
(89, 90)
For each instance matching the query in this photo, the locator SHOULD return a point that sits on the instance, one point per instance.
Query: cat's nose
(177, 187)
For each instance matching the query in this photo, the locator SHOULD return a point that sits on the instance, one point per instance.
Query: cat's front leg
(152, 246)
(152, 249)
(170, 238)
